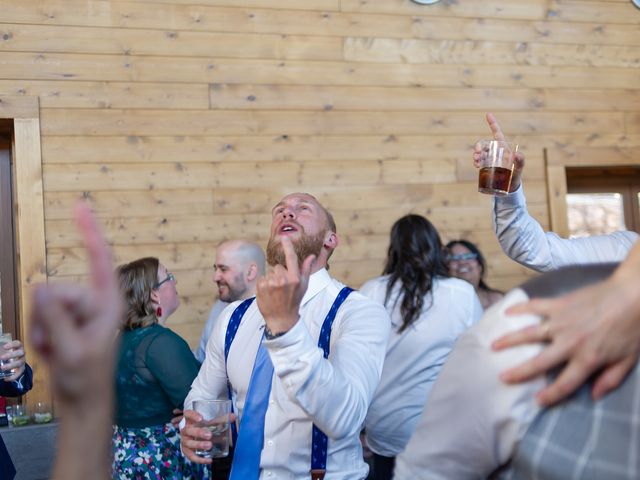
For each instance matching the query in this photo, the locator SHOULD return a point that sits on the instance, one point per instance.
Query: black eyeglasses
(169, 278)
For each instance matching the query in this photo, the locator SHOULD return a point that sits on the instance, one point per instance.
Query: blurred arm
(523, 239)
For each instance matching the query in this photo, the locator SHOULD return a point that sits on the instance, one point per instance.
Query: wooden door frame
(556, 163)
(31, 266)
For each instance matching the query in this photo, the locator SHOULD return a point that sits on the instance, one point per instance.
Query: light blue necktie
(246, 457)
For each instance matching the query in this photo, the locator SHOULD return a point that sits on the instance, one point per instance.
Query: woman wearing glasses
(154, 373)
(466, 262)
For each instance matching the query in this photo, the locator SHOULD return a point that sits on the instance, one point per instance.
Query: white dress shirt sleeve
(523, 239)
(335, 392)
(211, 382)
(472, 421)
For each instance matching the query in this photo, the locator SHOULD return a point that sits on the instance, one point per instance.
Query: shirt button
(270, 443)
(272, 402)
(269, 474)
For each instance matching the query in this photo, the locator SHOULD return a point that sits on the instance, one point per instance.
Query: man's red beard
(304, 246)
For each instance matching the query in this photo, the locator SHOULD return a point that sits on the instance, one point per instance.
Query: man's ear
(331, 240)
(252, 272)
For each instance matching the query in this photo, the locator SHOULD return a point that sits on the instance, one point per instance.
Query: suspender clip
(317, 474)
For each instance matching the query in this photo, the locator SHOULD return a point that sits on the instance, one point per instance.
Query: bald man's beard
(304, 246)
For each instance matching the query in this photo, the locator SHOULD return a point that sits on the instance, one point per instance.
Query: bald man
(239, 264)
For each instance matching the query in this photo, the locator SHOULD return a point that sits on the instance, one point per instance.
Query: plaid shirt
(583, 439)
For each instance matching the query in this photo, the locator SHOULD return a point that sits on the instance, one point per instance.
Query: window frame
(8, 278)
(561, 158)
(29, 229)
(622, 180)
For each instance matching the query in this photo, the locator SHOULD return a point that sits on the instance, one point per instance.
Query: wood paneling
(531, 10)
(134, 42)
(318, 22)
(185, 121)
(390, 50)
(285, 122)
(64, 94)
(295, 97)
(85, 67)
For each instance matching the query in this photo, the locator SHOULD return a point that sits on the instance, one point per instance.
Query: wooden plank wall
(186, 120)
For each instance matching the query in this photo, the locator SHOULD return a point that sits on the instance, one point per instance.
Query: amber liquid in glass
(494, 180)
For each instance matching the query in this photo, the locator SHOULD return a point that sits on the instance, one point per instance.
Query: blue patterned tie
(246, 457)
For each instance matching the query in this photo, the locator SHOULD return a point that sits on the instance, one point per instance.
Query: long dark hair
(479, 257)
(414, 259)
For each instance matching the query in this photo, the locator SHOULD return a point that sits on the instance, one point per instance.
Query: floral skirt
(152, 453)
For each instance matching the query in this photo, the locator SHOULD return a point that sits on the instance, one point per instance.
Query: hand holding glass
(216, 417)
(496, 166)
(5, 338)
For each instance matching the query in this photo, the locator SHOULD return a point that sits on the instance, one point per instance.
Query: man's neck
(249, 294)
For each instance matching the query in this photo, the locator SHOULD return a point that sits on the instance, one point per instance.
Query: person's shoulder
(356, 298)
(375, 287)
(495, 322)
(360, 311)
(375, 282)
(229, 308)
(218, 307)
(164, 335)
(456, 285)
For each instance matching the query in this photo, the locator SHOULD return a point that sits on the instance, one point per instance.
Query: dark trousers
(381, 467)
(221, 467)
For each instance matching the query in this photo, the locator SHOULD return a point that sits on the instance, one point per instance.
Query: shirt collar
(318, 281)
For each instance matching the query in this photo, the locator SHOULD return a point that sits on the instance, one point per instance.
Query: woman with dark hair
(155, 370)
(466, 262)
(428, 311)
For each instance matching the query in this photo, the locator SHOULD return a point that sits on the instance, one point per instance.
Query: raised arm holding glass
(594, 330)
(523, 239)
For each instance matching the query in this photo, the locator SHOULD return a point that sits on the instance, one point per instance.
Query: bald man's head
(238, 265)
(309, 226)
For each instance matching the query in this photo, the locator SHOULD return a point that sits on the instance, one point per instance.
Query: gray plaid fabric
(582, 439)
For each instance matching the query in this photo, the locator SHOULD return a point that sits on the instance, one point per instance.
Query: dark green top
(154, 374)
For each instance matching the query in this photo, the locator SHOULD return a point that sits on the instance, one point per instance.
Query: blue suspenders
(319, 439)
(319, 445)
(232, 329)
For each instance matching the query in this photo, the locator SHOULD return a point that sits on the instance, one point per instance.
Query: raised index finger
(290, 256)
(495, 127)
(100, 261)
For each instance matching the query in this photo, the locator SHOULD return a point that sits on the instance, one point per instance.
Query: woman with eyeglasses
(154, 373)
(466, 262)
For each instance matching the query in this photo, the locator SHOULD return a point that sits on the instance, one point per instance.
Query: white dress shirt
(472, 421)
(523, 239)
(414, 357)
(333, 393)
(216, 310)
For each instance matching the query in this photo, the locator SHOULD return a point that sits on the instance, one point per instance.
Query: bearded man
(239, 264)
(303, 364)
